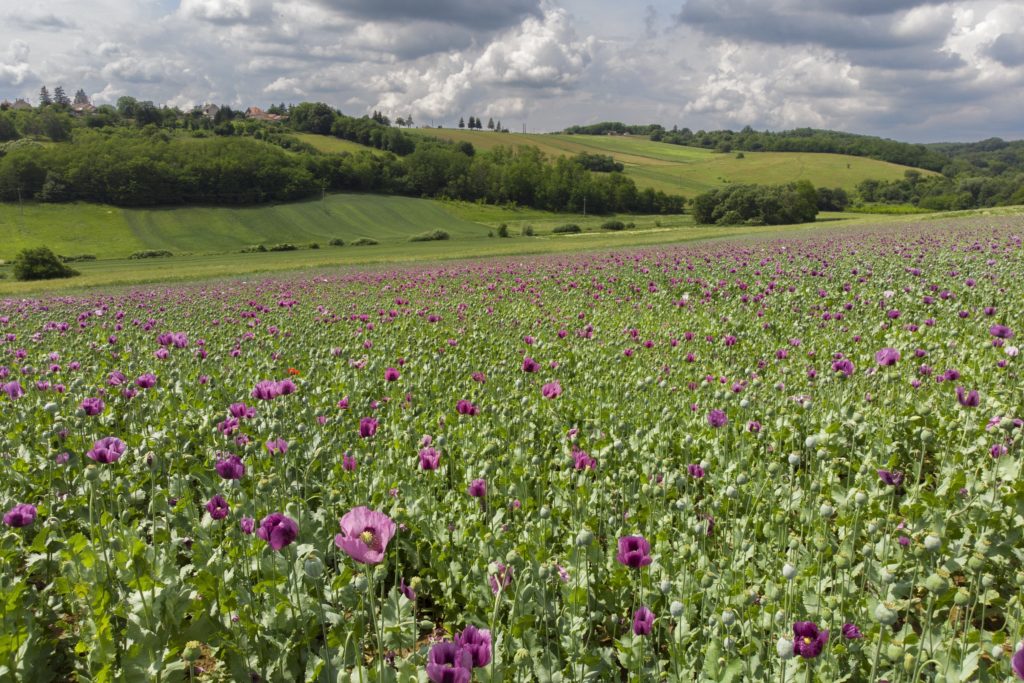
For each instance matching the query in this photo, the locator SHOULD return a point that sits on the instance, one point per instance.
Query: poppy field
(766, 460)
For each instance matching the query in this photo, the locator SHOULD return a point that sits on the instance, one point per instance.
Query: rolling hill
(691, 170)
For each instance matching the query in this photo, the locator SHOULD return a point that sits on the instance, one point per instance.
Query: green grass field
(333, 145)
(690, 170)
(111, 232)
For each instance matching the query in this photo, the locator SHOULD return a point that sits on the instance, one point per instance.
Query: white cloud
(914, 69)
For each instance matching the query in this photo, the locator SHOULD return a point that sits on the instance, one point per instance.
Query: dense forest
(144, 156)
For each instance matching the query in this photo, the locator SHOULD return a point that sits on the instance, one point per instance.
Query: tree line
(151, 166)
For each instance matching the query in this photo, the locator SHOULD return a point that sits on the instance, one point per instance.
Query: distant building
(20, 105)
(257, 114)
(210, 110)
(82, 108)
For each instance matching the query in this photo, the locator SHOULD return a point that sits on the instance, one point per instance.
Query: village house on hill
(257, 114)
(19, 105)
(210, 111)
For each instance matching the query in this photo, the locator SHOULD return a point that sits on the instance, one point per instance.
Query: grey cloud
(476, 14)
(782, 22)
(41, 22)
(1008, 50)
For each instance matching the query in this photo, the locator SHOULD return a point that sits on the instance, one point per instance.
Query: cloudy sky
(920, 70)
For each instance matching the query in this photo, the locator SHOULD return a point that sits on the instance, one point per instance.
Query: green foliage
(757, 204)
(810, 140)
(526, 231)
(430, 236)
(615, 128)
(570, 228)
(613, 225)
(78, 258)
(365, 242)
(129, 168)
(601, 163)
(151, 253)
(941, 193)
(503, 230)
(40, 264)
(832, 199)
(337, 242)
(284, 246)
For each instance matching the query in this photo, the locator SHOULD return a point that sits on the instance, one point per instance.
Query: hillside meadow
(690, 171)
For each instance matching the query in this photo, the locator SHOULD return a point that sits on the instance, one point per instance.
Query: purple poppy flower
(1001, 331)
(92, 406)
(449, 663)
(265, 390)
(844, 366)
(477, 642)
(241, 411)
(278, 530)
(365, 534)
(464, 407)
(634, 551)
(391, 374)
(146, 381)
(14, 390)
(348, 463)
(285, 387)
(218, 507)
(1017, 663)
(695, 471)
(277, 445)
(107, 450)
(247, 524)
(430, 459)
(230, 467)
(968, 399)
(367, 427)
(406, 590)
(887, 356)
(530, 365)
(643, 622)
(20, 515)
(551, 390)
(502, 578)
(808, 639)
(894, 478)
(851, 632)
(583, 461)
(116, 378)
(717, 418)
(478, 488)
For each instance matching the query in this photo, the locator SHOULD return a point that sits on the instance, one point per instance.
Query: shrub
(314, 245)
(252, 249)
(284, 246)
(526, 231)
(502, 230)
(365, 242)
(40, 264)
(79, 257)
(430, 236)
(613, 225)
(567, 228)
(337, 242)
(151, 253)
